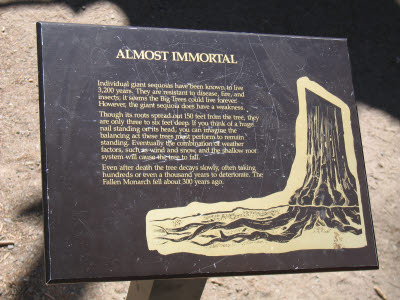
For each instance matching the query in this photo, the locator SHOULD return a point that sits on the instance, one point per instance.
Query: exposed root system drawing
(319, 208)
(285, 227)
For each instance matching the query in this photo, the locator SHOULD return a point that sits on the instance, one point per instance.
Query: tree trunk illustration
(327, 197)
(328, 181)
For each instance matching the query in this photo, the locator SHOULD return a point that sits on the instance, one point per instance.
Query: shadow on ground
(33, 286)
(32, 210)
(372, 28)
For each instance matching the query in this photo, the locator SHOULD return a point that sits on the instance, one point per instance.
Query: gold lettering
(233, 60)
(151, 55)
(212, 58)
(120, 54)
(194, 57)
(138, 56)
(176, 56)
(219, 58)
(201, 57)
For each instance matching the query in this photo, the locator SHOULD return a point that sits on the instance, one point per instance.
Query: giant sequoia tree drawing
(320, 207)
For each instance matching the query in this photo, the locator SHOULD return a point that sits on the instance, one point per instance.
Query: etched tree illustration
(328, 181)
(326, 197)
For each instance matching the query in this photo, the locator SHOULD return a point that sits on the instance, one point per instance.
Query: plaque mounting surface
(178, 153)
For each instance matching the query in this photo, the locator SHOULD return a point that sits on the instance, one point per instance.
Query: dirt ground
(21, 266)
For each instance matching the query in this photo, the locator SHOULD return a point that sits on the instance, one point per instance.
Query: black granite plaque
(179, 153)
